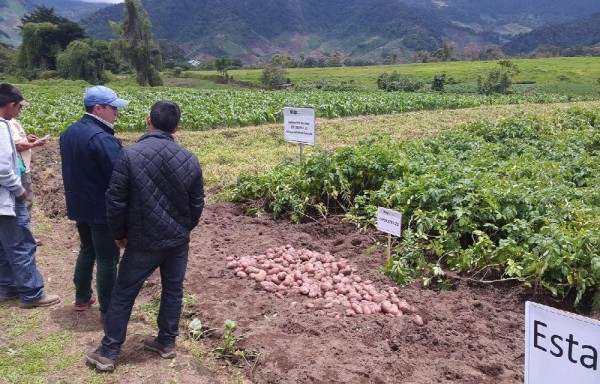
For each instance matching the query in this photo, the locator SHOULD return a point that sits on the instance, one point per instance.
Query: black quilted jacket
(156, 194)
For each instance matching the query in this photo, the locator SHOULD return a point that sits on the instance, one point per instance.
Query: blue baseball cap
(102, 95)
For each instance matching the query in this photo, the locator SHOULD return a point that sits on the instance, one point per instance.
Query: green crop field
(485, 196)
(565, 70)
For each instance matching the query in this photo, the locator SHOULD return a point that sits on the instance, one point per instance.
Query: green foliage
(44, 36)
(197, 330)
(80, 61)
(498, 80)
(273, 75)
(438, 83)
(54, 106)
(395, 82)
(66, 30)
(39, 49)
(514, 200)
(222, 65)
(7, 55)
(494, 81)
(329, 85)
(137, 45)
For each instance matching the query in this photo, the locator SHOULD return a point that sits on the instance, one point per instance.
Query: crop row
(517, 199)
(53, 108)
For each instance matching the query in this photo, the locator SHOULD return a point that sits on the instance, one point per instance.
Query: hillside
(255, 30)
(12, 10)
(583, 33)
(359, 29)
(252, 30)
(502, 16)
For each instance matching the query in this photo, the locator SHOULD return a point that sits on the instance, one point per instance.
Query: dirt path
(471, 334)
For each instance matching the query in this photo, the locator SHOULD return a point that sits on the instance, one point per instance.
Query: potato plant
(516, 199)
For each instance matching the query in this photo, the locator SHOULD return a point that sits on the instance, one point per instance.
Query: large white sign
(389, 221)
(560, 347)
(299, 125)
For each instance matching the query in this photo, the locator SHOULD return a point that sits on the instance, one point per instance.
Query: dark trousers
(97, 247)
(136, 266)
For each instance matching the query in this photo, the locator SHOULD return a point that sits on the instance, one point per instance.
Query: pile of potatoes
(332, 284)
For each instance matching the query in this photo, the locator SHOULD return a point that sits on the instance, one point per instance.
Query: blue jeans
(19, 275)
(134, 269)
(97, 247)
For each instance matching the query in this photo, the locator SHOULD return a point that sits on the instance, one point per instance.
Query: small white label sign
(389, 221)
(560, 347)
(299, 125)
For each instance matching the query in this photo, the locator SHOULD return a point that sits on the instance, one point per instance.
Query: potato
(259, 276)
(357, 308)
(418, 320)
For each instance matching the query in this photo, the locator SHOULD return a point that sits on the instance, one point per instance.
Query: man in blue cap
(88, 149)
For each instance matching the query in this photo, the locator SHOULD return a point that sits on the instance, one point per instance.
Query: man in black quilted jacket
(154, 200)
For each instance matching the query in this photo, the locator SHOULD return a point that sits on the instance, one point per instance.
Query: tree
(137, 45)
(81, 61)
(66, 31)
(438, 82)
(39, 48)
(395, 82)
(497, 80)
(6, 57)
(221, 65)
(281, 60)
(273, 75)
(44, 35)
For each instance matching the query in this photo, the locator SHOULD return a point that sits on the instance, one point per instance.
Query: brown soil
(471, 334)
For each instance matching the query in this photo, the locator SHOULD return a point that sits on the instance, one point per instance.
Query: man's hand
(121, 243)
(22, 197)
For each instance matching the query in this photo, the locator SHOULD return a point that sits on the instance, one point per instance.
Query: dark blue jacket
(88, 149)
(156, 194)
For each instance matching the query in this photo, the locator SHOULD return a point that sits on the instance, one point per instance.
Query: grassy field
(556, 70)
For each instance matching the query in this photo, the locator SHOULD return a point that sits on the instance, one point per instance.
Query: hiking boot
(165, 352)
(101, 363)
(84, 306)
(4, 299)
(45, 301)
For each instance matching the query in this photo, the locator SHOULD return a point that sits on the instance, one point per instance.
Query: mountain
(580, 33)
(251, 29)
(10, 19)
(368, 29)
(72, 9)
(11, 12)
(509, 17)
(254, 30)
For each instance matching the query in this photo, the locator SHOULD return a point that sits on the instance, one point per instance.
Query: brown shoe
(84, 306)
(151, 344)
(45, 301)
(101, 363)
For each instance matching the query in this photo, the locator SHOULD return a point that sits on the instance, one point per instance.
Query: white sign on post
(560, 347)
(389, 221)
(299, 125)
